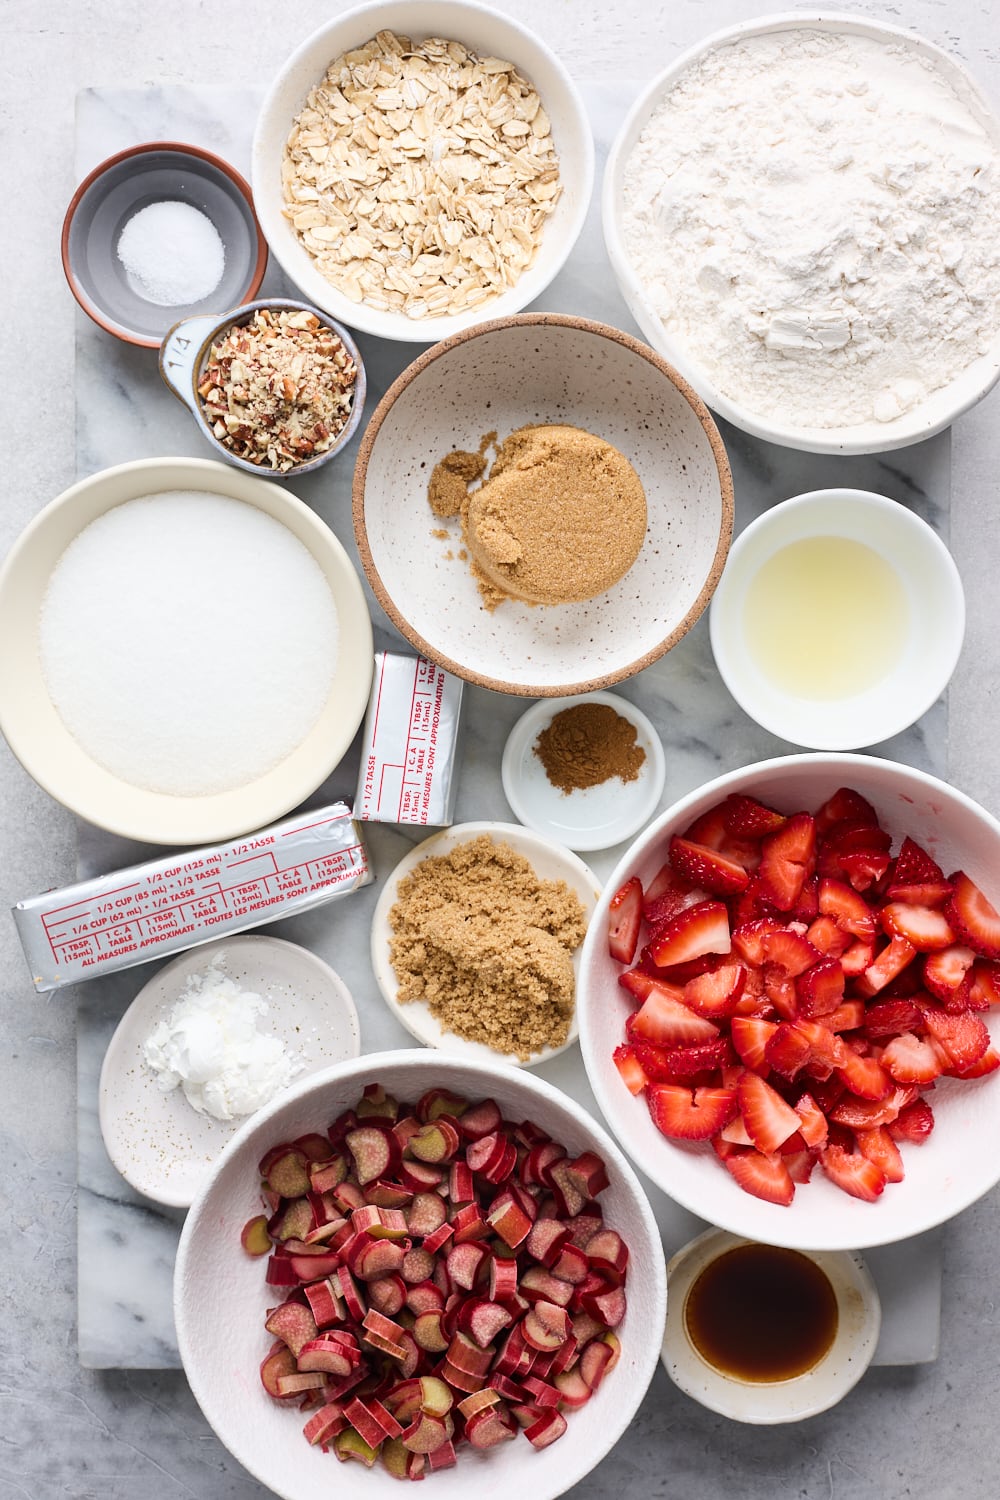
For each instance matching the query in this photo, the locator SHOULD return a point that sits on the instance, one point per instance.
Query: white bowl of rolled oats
(276, 387)
(419, 168)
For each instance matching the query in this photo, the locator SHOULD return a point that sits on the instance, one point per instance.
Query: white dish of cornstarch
(188, 642)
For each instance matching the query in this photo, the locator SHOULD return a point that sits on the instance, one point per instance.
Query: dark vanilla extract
(761, 1314)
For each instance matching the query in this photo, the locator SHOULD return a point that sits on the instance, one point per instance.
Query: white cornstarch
(188, 642)
(212, 1047)
(816, 217)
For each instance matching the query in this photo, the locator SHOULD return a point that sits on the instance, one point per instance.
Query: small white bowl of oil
(838, 619)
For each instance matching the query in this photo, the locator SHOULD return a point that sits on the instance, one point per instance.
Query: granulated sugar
(188, 642)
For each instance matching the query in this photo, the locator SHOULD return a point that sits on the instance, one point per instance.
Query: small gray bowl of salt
(156, 233)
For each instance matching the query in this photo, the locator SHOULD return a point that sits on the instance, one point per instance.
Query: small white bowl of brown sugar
(276, 387)
(476, 941)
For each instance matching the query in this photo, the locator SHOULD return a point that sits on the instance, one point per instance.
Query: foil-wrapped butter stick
(179, 900)
(409, 753)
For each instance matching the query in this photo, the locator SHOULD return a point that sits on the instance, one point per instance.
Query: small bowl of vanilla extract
(767, 1335)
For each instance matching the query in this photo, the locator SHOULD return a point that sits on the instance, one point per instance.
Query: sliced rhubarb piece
(254, 1236)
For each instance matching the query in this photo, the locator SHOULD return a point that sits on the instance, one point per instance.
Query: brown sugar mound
(488, 946)
(560, 519)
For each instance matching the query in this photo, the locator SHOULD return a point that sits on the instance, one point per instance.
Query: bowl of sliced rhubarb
(790, 1001)
(409, 1261)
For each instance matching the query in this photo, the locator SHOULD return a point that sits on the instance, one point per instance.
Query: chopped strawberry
(827, 937)
(944, 972)
(716, 994)
(666, 894)
(848, 909)
(639, 982)
(765, 1177)
(988, 1063)
(890, 1017)
(963, 1037)
(667, 1022)
(985, 988)
(767, 1117)
(806, 908)
(736, 1133)
(813, 1127)
(820, 989)
(696, 930)
(710, 828)
(864, 1076)
(848, 1016)
(868, 1114)
(890, 962)
(748, 939)
(677, 1064)
(752, 905)
(779, 988)
(628, 1065)
(690, 1114)
(787, 1050)
(750, 819)
(975, 920)
(624, 921)
(799, 1164)
(858, 957)
(706, 867)
(913, 1123)
(910, 1059)
(855, 1174)
(826, 1047)
(916, 878)
(750, 1038)
(788, 858)
(790, 951)
(846, 805)
(913, 866)
(928, 930)
(879, 1147)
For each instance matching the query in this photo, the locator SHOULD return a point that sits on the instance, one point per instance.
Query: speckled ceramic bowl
(160, 171)
(542, 368)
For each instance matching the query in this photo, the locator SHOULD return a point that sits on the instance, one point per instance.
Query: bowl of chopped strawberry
(790, 1001)
(415, 1266)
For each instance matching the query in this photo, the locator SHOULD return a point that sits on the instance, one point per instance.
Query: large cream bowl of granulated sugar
(187, 654)
(803, 215)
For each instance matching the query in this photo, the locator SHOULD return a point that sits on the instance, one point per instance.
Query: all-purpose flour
(816, 217)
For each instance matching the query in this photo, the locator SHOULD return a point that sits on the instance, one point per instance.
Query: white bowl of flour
(803, 214)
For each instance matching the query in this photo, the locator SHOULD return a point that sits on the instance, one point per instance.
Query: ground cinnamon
(586, 745)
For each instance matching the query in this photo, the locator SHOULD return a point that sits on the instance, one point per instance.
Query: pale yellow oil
(826, 617)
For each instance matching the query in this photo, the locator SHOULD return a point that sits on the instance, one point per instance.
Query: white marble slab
(126, 1244)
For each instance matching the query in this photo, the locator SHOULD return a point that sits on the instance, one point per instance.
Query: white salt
(172, 254)
(188, 642)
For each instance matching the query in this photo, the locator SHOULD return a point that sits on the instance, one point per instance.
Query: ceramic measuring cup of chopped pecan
(276, 386)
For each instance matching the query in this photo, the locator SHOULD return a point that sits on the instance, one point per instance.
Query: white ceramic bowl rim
(931, 416)
(908, 691)
(529, 54)
(855, 1226)
(635, 346)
